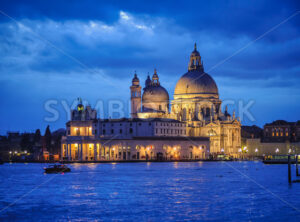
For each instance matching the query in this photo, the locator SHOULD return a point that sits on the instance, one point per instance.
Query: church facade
(190, 127)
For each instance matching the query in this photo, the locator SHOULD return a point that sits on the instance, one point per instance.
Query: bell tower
(135, 96)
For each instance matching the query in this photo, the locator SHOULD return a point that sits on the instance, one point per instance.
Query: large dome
(155, 94)
(196, 82)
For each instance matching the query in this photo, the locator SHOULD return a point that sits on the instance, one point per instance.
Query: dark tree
(37, 136)
(47, 138)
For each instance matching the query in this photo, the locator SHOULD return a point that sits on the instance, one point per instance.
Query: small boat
(57, 168)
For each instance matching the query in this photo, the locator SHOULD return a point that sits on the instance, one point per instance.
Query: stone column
(69, 151)
(95, 151)
(81, 147)
(62, 151)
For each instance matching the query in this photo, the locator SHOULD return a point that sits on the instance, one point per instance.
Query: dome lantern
(155, 79)
(195, 60)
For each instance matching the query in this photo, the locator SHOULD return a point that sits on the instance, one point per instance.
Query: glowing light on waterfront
(256, 150)
(277, 150)
(222, 150)
(10, 152)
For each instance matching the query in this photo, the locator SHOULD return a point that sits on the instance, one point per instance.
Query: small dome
(196, 82)
(155, 94)
(80, 107)
(135, 80)
(148, 81)
(195, 52)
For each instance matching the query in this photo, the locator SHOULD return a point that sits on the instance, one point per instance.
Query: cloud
(132, 43)
(231, 18)
(56, 55)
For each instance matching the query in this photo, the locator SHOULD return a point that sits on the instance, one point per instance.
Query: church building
(190, 127)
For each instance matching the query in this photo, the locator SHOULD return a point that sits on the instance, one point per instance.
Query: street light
(25, 151)
(256, 150)
(222, 150)
(10, 152)
(277, 150)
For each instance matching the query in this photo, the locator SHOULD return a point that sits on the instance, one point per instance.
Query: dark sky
(55, 51)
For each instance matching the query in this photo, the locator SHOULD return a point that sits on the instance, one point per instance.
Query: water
(214, 191)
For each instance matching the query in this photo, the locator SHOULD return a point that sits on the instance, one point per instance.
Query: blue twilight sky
(55, 51)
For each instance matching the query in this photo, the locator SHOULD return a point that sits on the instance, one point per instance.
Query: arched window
(207, 112)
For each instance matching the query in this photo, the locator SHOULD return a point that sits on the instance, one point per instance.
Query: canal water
(212, 191)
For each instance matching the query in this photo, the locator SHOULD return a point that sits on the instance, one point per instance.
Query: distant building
(27, 146)
(282, 131)
(278, 138)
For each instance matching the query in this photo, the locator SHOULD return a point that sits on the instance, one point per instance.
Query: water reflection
(92, 166)
(200, 163)
(175, 165)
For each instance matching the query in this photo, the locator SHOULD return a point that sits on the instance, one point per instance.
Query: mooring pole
(297, 170)
(289, 169)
